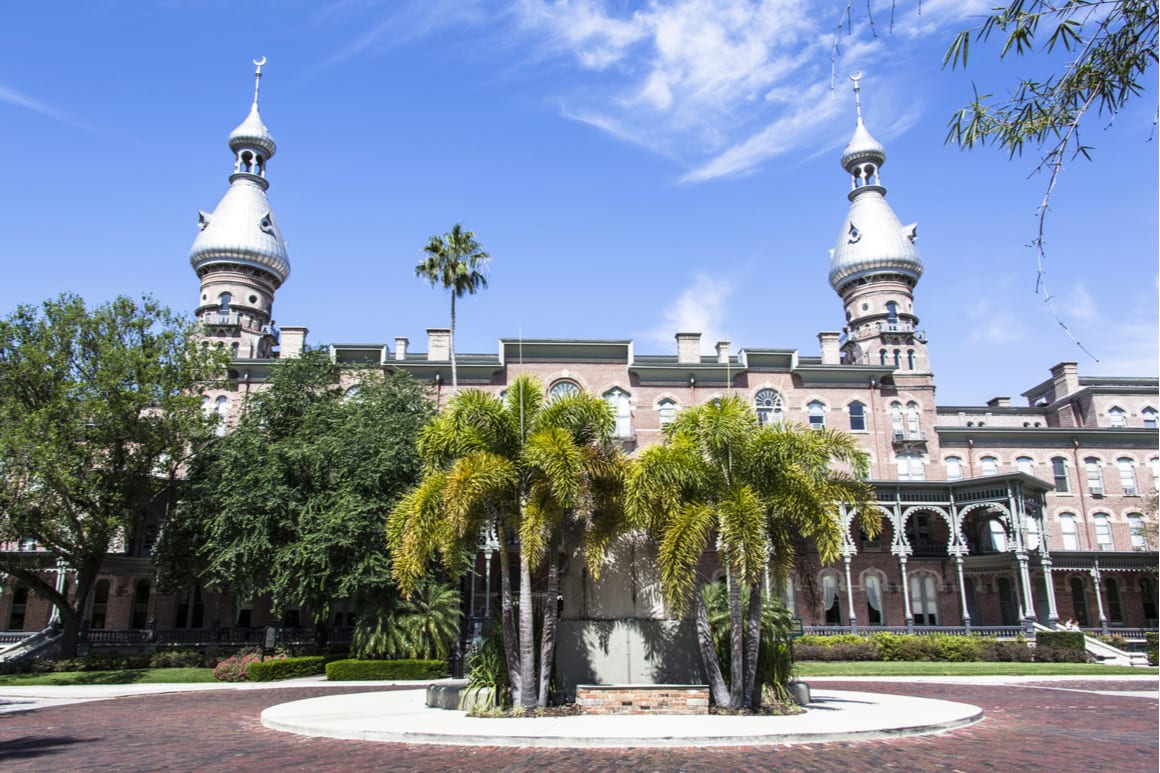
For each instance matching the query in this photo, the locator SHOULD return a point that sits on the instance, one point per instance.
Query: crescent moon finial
(856, 77)
(258, 77)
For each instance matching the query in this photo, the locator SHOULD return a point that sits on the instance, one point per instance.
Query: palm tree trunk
(548, 637)
(510, 639)
(736, 643)
(717, 688)
(527, 694)
(752, 693)
(451, 343)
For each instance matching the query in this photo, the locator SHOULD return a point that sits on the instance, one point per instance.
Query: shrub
(236, 667)
(1007, 652)
(385, 670)
(1060, 655)
(1151, 638)
(1068, 640)
(861, 650)
(286, 668)
(178, 659)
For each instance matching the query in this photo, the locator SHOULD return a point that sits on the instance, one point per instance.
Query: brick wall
(643, 699)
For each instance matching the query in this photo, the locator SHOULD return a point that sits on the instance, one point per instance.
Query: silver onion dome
(252, 133)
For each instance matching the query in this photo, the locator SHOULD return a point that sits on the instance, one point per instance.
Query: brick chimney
(292, 341)
(688, 348)
(831, 353)
(438, 343)
(401, 347)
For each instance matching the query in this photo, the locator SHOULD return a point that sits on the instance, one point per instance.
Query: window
(1025, 465)
(891, 312)
(667, 409)
(563, 389)
(1095, 479)
(954, 468)
(924, 600)
(817, 413)
(990, 465)
(882, 356)
(1115, 607)
(618, 401)
(910, 359)
(1155, 465)
(1033, 533)
(100, 606)
(1103, 530)
(1059, 473)
(875, 609)
(140, 617)
(1136, 529)
(18, 608)
(769, 407)
(1149, 417)
(1079, 601)
(190, 609)
(910, 467)
(1127, 476)
(998, 535)
(831, 599)
(857, 417)
(224, 301)
(912, 413)
(221, 408)
(1116, 417)
(1068, 532)
(897, 358)
(896, 417)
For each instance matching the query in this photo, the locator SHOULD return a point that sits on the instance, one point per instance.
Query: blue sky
(634, 169)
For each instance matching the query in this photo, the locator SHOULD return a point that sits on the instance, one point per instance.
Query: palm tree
(722, 480)
(453, 261)
(527, 469)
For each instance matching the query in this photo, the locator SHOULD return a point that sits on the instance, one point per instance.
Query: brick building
(995, 515)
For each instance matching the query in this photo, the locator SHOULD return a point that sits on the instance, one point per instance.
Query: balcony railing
(218, 319)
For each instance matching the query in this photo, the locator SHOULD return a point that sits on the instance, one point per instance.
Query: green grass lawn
(125, 676)
(805, 669)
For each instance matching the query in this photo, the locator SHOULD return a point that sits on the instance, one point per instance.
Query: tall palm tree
(722, 480)
(454, 262)
(527, 469)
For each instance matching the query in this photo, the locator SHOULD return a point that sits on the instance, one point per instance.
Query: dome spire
(261, 62)
(857, 76)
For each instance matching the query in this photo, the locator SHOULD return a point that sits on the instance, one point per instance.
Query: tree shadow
(28, 747)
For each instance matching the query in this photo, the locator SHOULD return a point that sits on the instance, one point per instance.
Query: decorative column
(906, 595)
(963, 591)
(1049, 583)
(1095, 570)
(850, 596)
(1025, 583)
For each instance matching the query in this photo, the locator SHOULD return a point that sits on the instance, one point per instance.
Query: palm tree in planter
(454, 261)
(721, 480)
(531, 471)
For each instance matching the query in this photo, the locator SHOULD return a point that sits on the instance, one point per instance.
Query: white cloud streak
(700, 309)
(13, 97)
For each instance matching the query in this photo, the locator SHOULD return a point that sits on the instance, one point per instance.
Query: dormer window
(1117, 418)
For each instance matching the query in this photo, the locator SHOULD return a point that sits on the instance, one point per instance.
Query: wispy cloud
(720, 85)
(11, 96)
(993, 325)
(699, 309)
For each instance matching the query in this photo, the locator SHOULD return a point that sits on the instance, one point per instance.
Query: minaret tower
(875, 265)
(240, 255)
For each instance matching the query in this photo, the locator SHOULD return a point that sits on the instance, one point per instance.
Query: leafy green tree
(291, 503)
(722, 480)
(519, 467)
(454, 262)
(98, 410)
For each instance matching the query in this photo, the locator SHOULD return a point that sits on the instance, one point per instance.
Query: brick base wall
(643, 699)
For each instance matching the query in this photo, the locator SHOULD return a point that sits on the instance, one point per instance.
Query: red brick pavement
(1027, 727)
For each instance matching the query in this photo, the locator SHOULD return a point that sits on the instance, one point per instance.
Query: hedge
(273, 670)
(1061, 640)
(385, 670)
(1151, 638)
(928, 647)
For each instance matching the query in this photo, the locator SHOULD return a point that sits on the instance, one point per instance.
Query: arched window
(563, 389)
(924, 599)
(1103, 524)
(789, 596)
(1115, 606)
(1116, 417)
(896, 416)
(1068, 531)
(1149, 417)
(1025, 465)
(1008, 606)
(224, 301)
(831, 599)
(817, 413)
(912, 416)
(954, 468)
(17, 608)
(998, 535)
(910, 359)
(1094, 478)
(234, 350)
(769, 407)
(857, 417)
(221, 408)
(618, 401)
(100, 605)
(1127, 476)
(1136, 529)
(1079, 601)
(891, 312)
(667, 410)
(1148, 601)
(989, 465)
(1059, 474)
(897, 358)
(875, 609)
(882, 356)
